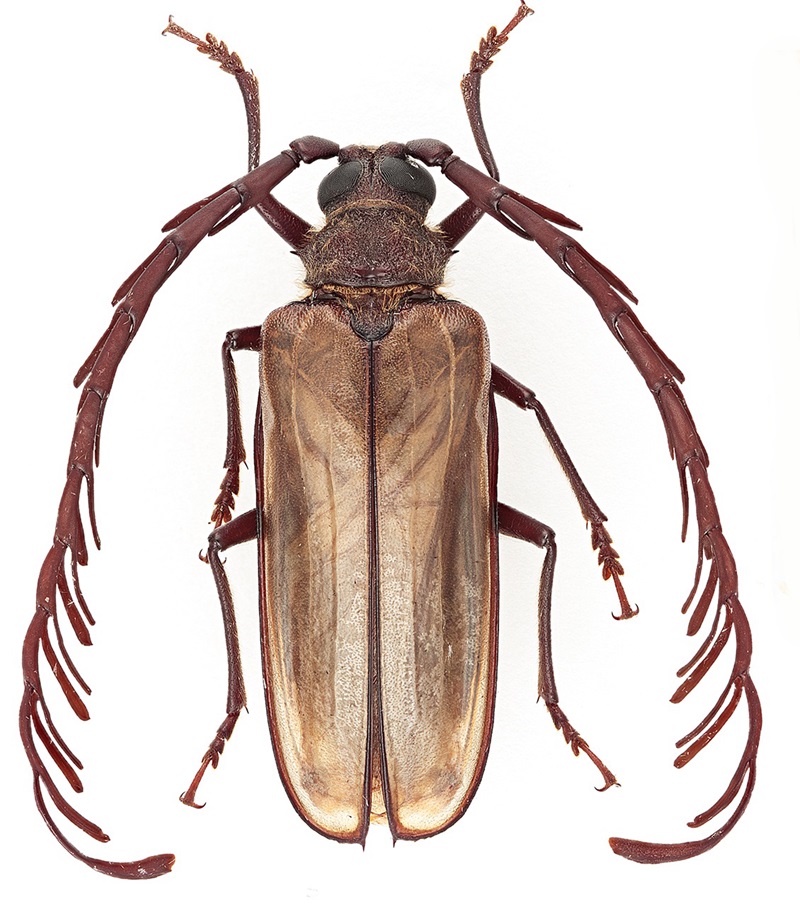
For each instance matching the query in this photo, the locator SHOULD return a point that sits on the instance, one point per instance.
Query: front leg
(286, 223)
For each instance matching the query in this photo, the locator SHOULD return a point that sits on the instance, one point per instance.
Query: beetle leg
(248, 338)
(230, 62)
(460, 221)
(480, 61)
(286, 223)
(508, 387)
(518, 525)
(243, 528)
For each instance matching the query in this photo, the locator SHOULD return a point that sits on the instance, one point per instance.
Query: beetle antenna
(471, 84)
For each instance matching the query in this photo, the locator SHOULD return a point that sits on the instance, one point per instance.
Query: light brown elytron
(404, 420)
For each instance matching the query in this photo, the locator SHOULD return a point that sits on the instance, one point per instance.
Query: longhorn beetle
(377, 517)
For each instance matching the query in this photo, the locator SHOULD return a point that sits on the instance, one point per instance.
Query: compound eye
(407, 176)
(339, 182)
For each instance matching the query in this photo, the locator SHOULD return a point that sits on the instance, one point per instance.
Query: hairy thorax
(375, 243)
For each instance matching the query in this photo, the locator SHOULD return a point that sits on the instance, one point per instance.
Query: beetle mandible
(389, 392)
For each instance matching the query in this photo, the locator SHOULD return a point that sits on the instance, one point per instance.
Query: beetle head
(375, 204)
(374, 174)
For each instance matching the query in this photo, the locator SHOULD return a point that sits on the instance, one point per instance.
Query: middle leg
(510, 388)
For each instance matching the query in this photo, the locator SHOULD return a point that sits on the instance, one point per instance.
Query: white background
(670, 132)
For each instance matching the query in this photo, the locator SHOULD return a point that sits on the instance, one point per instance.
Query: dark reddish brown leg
(243, 528)
(227, 534)
(247, 338)
(230, 62)
(517, 525)
(286, 223)
(458, 223)
(511, 389)
(480, 61)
